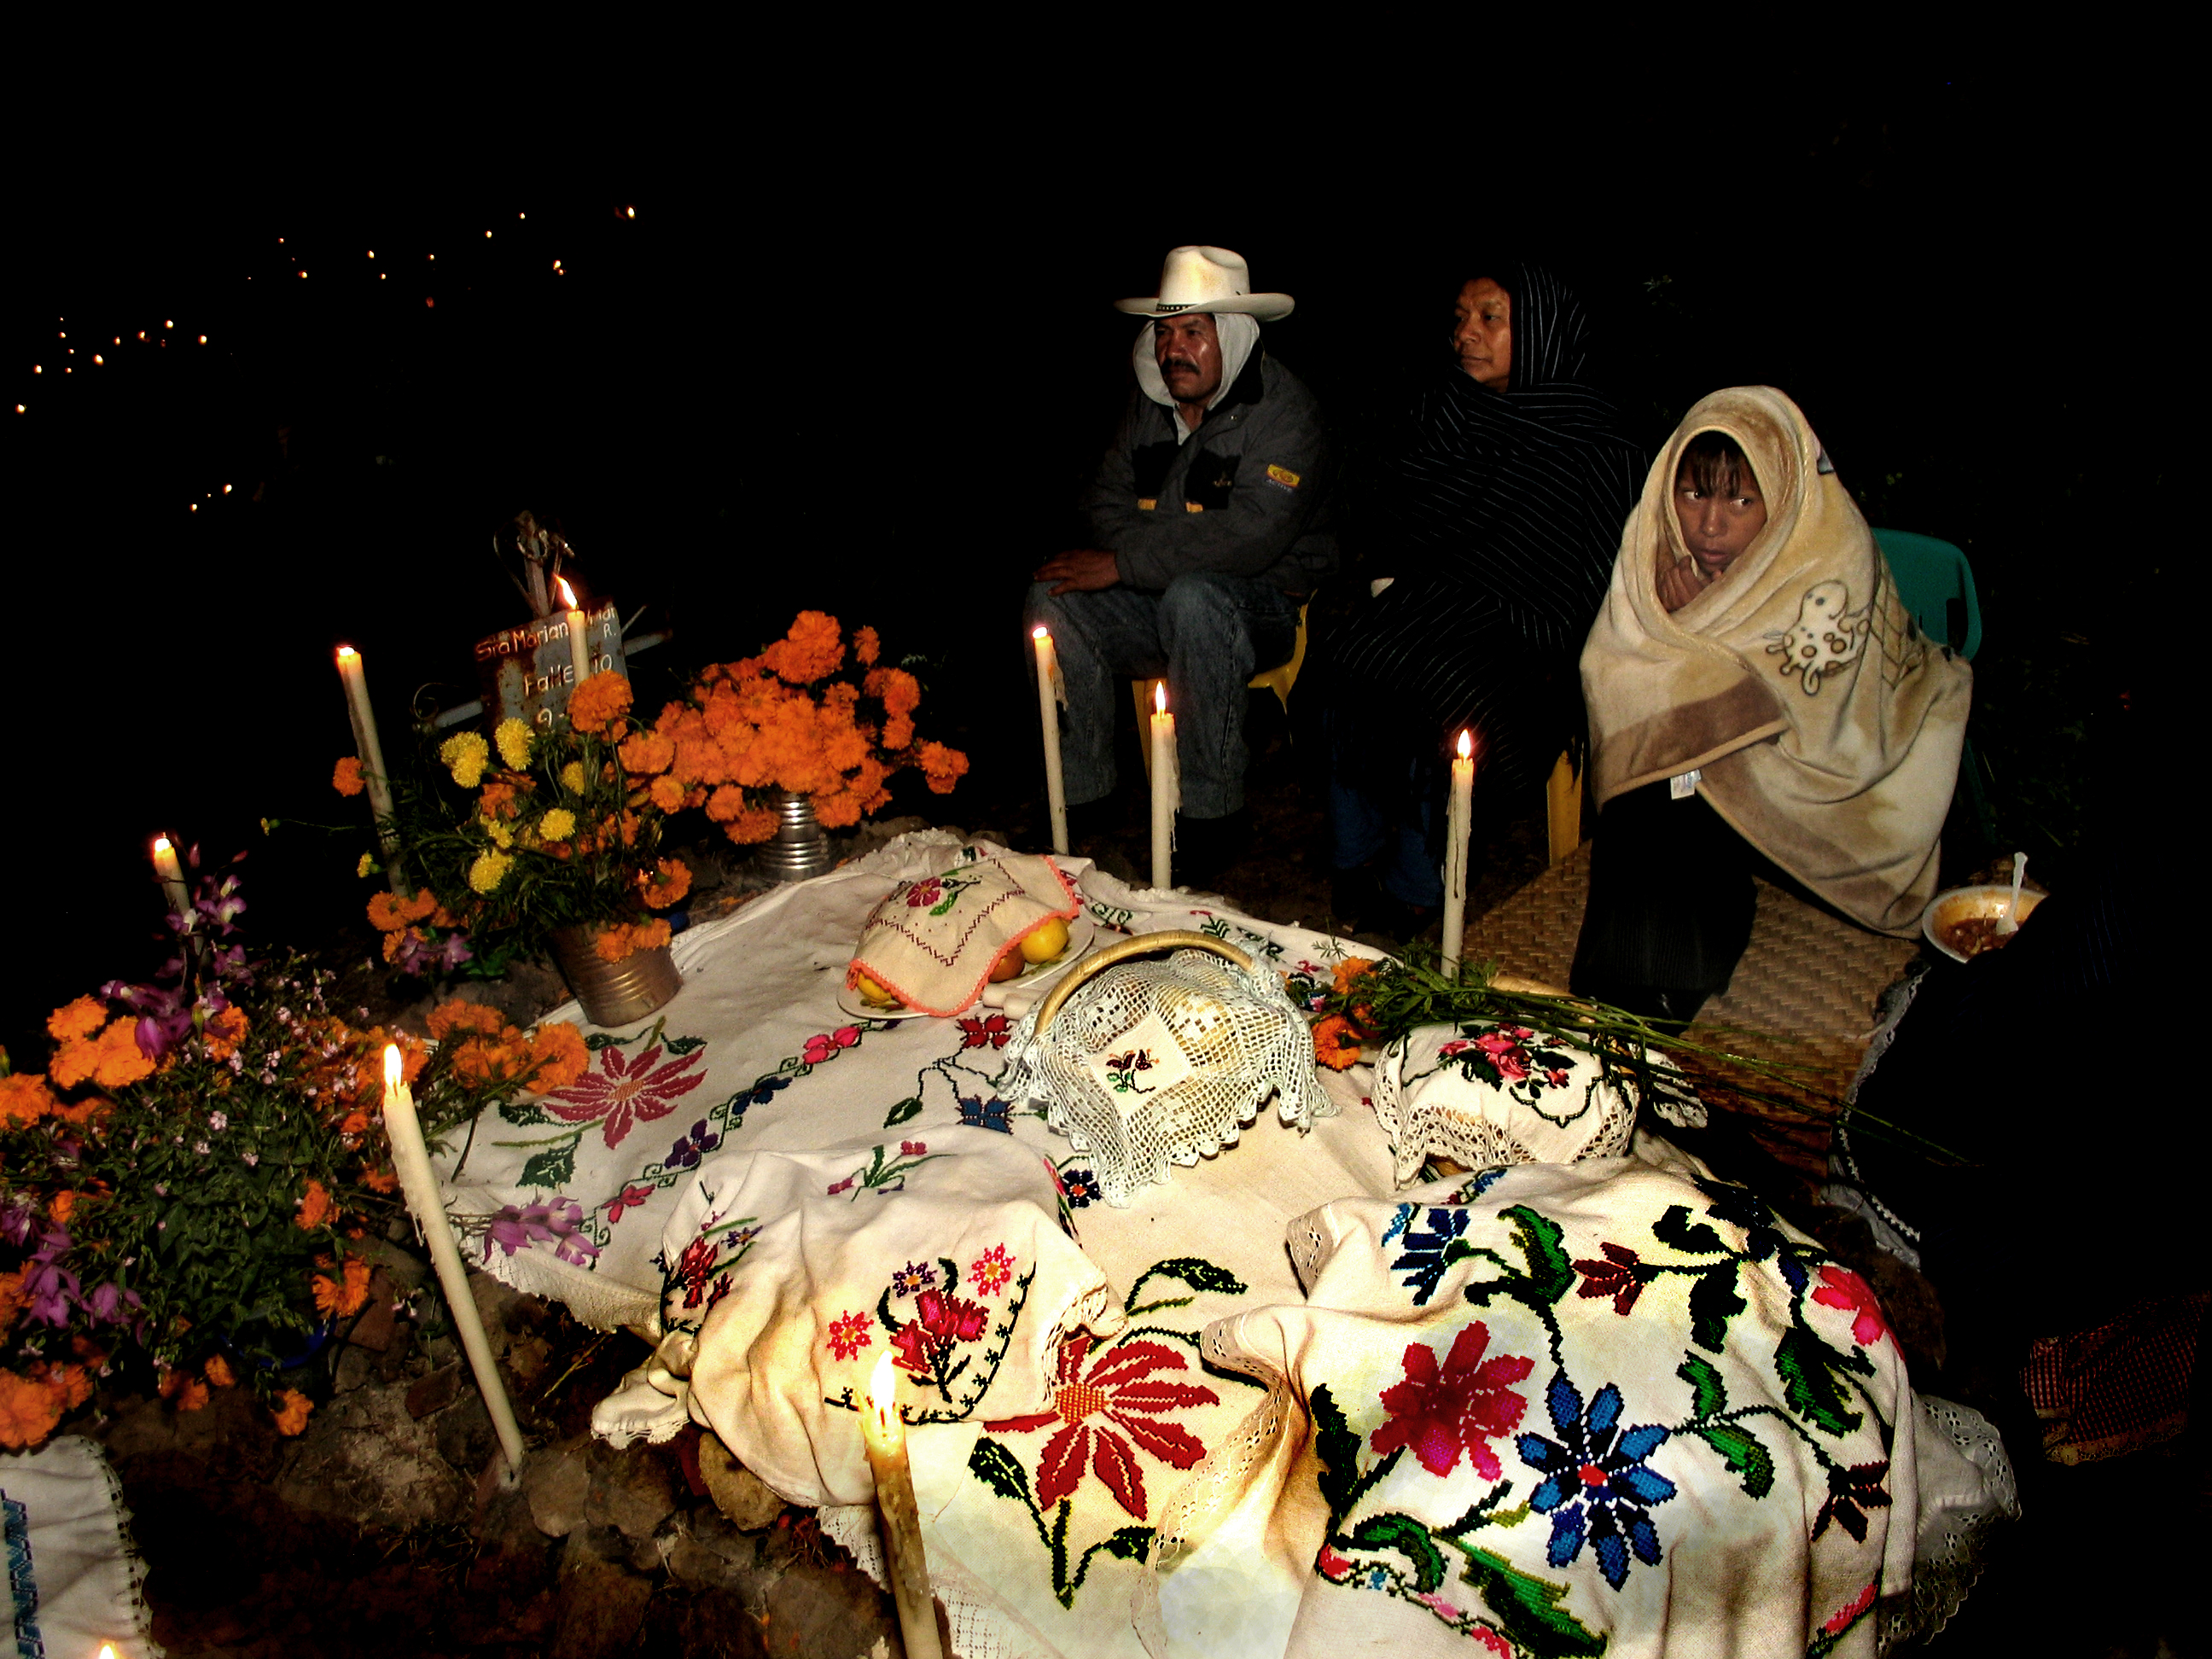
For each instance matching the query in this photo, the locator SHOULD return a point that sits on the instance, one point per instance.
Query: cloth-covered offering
(73, 1571)
(1825, 727)
(1156, 1063)
(1044, 1513)
(1483, 1096)
(934, 939)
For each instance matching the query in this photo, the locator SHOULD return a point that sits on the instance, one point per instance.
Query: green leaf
(522, 1112)
(1808, 1366)
(1743, 1452)
(551, 1170)
(909, 1107)
(686, 1045)
(1130, 1544)
(1198, 1274)
(599, 1040)
(1485, 1512)
(1551, 1275)
(1713, 1303)
(1708, 1393)
(1528, 1611)
(1410, 1539)
(1338, 1447)
(998, 1469)
(1673, 1227)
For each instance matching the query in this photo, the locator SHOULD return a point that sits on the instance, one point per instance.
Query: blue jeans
(1208, 633)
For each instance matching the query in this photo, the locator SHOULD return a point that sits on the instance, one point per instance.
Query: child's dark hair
(1713, 463)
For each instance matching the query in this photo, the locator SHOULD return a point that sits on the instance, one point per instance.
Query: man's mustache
(1178, 362)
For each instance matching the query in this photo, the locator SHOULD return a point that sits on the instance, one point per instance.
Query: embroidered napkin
(795, 1270)
(933, 939)
(1487, 1094)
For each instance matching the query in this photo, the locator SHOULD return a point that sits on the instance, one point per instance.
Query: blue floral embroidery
(1406, 1212)
(690, 1147)
(977, 1113)
(1601, 1468)
(763, 1091)
(1428, 1254)
(1082, 1188)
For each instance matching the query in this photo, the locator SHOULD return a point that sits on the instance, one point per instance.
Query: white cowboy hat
(1207, 279)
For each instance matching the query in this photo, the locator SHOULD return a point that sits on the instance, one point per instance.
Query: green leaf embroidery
(1742, 1450)
(1673, 1227)
(1410, 1539)
(1338, 1447)
(686, 1045)
(599, 1040)
(1808, 1366)
(552, 1168)
(1485, 1512)
(1527, 1609)
(522, 1112)
(910, 1107)
(998, 1469)
(1713, 1303)
(1551, 1275)
(1198, 1274)
(1708, 1393)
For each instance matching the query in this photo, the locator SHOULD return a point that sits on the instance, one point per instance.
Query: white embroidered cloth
(73, 1573)
(933, 939)
(1487, 1094)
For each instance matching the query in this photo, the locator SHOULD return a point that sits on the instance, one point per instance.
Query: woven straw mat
(1806, 992)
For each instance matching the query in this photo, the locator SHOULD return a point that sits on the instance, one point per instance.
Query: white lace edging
(1949, 1551)
(134, 1564)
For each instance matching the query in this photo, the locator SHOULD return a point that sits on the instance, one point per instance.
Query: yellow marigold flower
(80, 1018)
(572, 777)
(500, 833)
(467, 753)
(367, 866)
(558, 824)
(292, 1409)
(513, 737)
(488, 870)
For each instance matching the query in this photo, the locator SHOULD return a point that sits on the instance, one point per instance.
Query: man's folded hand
(1085, 570)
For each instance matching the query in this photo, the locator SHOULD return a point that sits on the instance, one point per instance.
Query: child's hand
(1680, 582)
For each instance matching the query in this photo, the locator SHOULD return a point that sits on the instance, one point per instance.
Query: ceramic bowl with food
(1962, 922)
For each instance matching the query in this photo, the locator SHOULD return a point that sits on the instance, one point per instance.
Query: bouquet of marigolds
(200, 1176)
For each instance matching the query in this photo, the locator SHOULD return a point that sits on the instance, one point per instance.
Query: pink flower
(913, 1148)
(1845, 1288)
(841, 1186)
(992, 1271)
(630, 1198)
(849, 1334)
(1119, 1393)
(625, 1092)
(924, 893)
(1442, 1414)
(1504, 1053)
(1457, 1046)
(1435, 1604)
(826, 1045)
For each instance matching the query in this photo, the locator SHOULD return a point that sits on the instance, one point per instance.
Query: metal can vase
(801, 846)
(614, 993)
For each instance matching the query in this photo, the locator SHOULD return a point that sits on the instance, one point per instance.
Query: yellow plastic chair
(1563, 808)
(1279, 680)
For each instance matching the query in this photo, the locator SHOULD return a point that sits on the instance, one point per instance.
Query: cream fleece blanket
(1827, 728)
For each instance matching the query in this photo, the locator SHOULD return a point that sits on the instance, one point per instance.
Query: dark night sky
(869, 375)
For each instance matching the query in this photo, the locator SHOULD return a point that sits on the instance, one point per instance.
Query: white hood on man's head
(1238, 335)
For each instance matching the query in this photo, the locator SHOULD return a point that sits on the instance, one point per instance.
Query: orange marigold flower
(448, 1017)
(73, 1062)
(120, 1062)
(28, 1410)
(666, 794)
(11, 1297)
(840, 811)
(598, 702)
(726, 803)
(754, 824)
(898, 730)
(499, 800)
(943, 767)
(379, 1180)
(813, 649)
(346, 777)
(292, 1409)
(613, 943)
(192, 1396)
(647, 752)
(900, 691)
(478, 1061)
(1334, 1046)
(223, 1032)
(356, 1122)
(668, 881)
(63, 1205)
(557, 1056)
(76, 1384)
(865, 645)
(80, 1018)
(217, 1371)
(24, 1099)
(317, 1208)
(342, 1297)
(649, 935)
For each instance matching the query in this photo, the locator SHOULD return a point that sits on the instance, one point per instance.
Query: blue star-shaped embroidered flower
(1082, 1188)
(976, 1113)
(1428, 1254)
(1595, 1484)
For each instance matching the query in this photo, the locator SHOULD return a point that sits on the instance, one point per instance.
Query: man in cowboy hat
(1208, 531)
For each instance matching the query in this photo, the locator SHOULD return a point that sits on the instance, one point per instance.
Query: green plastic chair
(1936, 585)
(1932, 576)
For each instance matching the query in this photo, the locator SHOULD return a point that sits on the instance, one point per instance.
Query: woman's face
(1482, 333)
(1717, 528)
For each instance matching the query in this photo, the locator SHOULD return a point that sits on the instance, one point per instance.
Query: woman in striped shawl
(1501, 512)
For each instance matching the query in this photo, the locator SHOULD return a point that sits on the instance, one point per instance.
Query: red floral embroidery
(990, 1033)
(849, 1333)
(1615, 1276)
(626, 1091)
(923, 893)
(1441, 1414)
(825, 1045)
(1844, 1289)
(695, 1266)
(1119, 1393)
(630, 1198)
(992, 1272)
(938, 1322)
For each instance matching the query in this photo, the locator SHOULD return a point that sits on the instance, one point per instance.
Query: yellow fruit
(874, 993)
(1008, 965)
(1047, 942)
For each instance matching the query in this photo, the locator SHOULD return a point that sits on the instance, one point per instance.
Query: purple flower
(454, 951)
(559, 1221)
(112, 1305)
(15, 1223)
(218, 1121)
(48, 1290)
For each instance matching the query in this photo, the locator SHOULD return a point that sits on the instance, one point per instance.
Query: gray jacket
(1244, 495)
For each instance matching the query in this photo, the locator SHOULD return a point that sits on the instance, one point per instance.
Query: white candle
(579, 649)
(427, 1201)
(171, 877)
(371, 751)
(1458, 823)
(1055, 787)
(1165, 789)
(903, 1559)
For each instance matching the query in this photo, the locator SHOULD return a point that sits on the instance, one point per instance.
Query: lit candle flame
(883, 1394)
(567, 594)
(1040, 633)
(1160, 697)
(394, 1070)
(107, 1650)
(1466, 743)
(161, 844)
